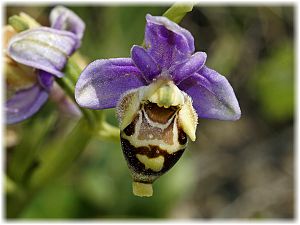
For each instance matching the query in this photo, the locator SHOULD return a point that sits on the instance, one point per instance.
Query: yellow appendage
(142, 189)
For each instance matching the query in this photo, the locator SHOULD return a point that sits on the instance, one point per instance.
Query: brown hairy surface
(159, 114)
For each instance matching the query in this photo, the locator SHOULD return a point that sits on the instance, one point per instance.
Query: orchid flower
(42, 52)
(160, 92)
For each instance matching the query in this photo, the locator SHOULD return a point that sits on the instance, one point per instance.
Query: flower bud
(22, 22)
(18, 23)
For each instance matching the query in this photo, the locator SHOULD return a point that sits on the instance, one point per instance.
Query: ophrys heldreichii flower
(159, 94)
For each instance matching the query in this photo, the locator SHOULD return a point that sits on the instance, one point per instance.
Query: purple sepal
(62, 18)
(168, 52)
(43, 48)
(167, 42)
(102, 82)
(183, 70)
(213, 96)
(45, 79)
(25, 103)
(145, 63)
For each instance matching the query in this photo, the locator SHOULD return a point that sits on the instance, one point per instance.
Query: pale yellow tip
(193, 137)
(142, 189)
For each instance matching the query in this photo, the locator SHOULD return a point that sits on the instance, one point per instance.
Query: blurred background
(242, 169)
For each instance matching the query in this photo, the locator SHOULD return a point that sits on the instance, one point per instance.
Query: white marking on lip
(133, 139)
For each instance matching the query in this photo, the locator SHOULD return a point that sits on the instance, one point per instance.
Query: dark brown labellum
(153, 142)
(139, 172)
(155, 121)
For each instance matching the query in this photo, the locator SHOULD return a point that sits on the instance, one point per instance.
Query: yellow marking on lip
(155, 164)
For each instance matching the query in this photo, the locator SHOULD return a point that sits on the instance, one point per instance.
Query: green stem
(27, 149)
(18, 23)
(68, 87)
(96, 118)
(109, 132)
(16, 198)
(178, 10)
(72, 70)
(57, 157)
(68, 82)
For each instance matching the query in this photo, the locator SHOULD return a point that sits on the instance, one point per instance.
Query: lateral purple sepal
(25, 103)
(102, 82)
(213, 96)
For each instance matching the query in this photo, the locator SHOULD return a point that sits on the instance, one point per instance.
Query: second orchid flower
(34, 57)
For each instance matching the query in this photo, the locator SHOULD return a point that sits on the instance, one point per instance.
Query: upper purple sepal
(43, 48)
(167, 42)
(62, 18)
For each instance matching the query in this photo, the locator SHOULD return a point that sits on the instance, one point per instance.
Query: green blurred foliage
(113, 30)
(244, 172)
(274, 82)
(101, 185)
